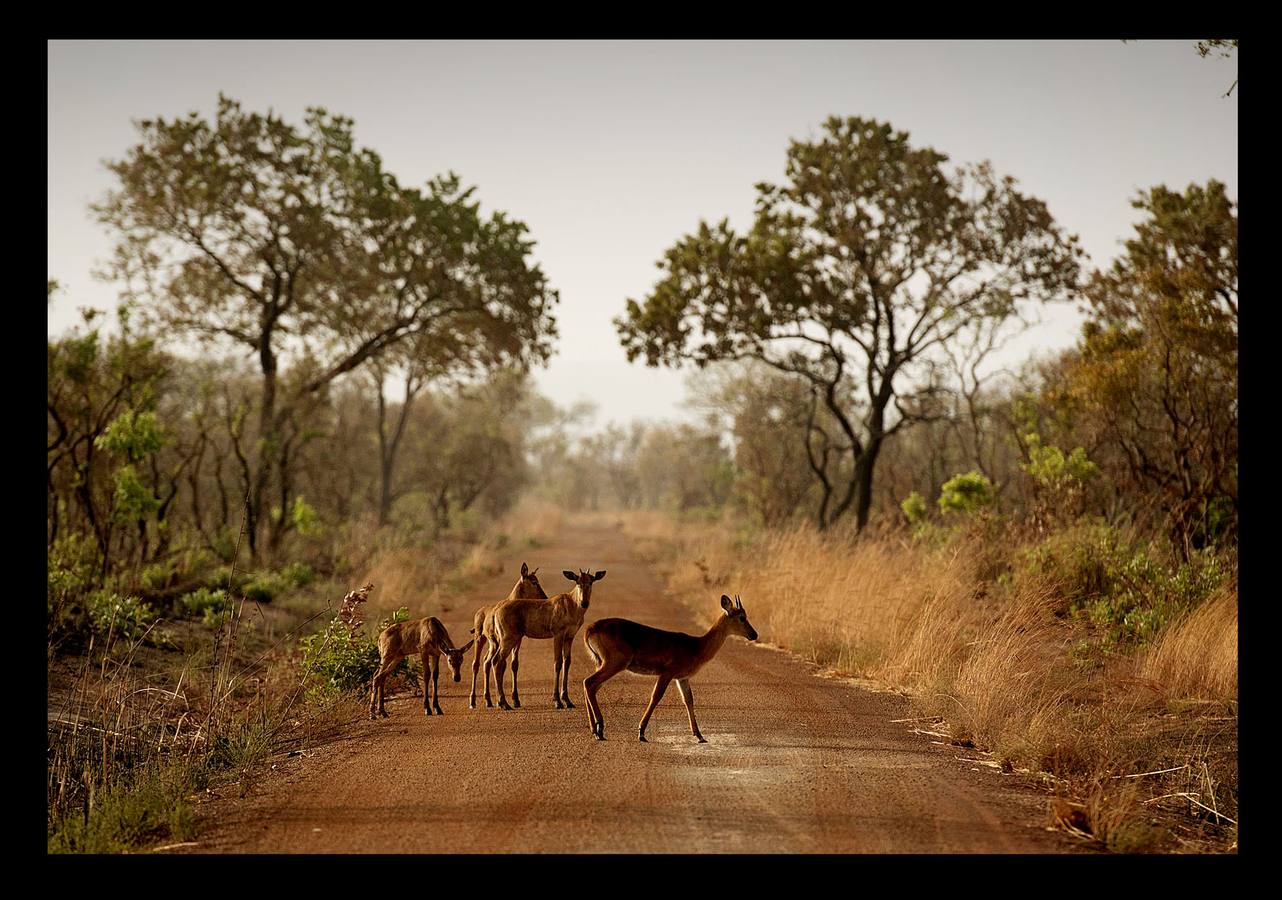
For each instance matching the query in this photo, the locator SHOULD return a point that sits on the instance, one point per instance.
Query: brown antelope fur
(422, 637)
(527, 588)
(557, 618)
(618, 644)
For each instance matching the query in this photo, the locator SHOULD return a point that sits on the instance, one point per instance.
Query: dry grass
(993, 661)
(1196, 657)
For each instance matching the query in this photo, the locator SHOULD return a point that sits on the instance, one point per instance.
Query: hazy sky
(611, 150)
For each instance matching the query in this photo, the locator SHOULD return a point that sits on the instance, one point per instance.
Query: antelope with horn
(557, 618)
(526, 588)
(618, 644)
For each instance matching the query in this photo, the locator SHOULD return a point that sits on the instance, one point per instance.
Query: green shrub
(265, 587)
(157, 577)
(1129, 590)
(218, 578)
(209, 604)
(339, 659)
(914, 507)
(965, 493)
(297, 574)
(73, 563)
(127, 617)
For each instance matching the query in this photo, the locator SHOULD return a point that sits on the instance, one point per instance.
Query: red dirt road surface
(795, 763)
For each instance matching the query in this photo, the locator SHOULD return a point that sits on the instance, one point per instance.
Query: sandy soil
(795, 763)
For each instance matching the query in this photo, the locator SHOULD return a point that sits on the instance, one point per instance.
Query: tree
(1155, 374)
(1221, 47)
(855, 273)
(293, 241)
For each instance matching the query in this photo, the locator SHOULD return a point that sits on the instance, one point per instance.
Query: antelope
(618, 644)
(425, 637)
(527, 588)
(557, 618)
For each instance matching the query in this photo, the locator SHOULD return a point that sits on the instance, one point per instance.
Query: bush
(210, 605)
(297, 574)
(265, 587)
(1127, 589)
(914, 507)
(339, 659)
(73, 564)
(128, 617)
(965, 493)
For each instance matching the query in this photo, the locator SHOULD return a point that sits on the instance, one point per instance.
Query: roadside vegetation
(312, 415)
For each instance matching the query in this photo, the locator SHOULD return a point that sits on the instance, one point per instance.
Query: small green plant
(965, 493)
(158, 576)
(304, 518)
(127, 617)
(914, 507)
(210, 605)
(339, 659)
(265, 587)
(129, 813)
(297, 574)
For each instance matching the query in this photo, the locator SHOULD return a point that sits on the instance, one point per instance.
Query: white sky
(612, 150)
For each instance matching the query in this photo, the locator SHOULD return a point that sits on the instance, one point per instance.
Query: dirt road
(794, 763)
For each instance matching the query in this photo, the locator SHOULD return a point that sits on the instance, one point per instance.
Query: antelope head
(738, 619)
(529, 587)
(584, 581)
(455, 659)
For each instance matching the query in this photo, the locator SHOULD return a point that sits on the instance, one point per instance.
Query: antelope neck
(711, 641)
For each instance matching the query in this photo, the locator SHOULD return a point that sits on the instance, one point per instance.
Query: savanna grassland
(319, 378)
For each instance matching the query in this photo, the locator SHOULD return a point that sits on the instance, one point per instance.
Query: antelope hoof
(557, 701)
(426, 711)
(383, 713)
(568, 704)
(489, 704)
(471, 704)
(438, 710)
(504, 705)
(516, 702)
(702, 739)
(642, 736)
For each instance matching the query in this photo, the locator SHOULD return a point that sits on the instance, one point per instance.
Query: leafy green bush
(265, 587)
(158, 576)
(73, 563)
(1129, 590)
(209, 604)
(218, 578)
(127, 617)
(965, 493)
(342, 658)
(297, 574)
(339, 659)
(914, 507)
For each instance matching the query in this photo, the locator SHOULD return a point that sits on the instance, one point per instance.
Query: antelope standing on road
(618, 644)
(425, 637)
(557, 618)
(527, 588)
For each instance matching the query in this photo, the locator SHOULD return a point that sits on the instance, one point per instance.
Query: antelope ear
(468, 646)
(599, 575)
(570, 575)
(726, 604)
(525, 570)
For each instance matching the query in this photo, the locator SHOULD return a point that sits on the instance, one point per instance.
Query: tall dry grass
(1196, 657)
(986, 654)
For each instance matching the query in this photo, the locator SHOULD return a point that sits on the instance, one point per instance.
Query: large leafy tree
(1154, 379)
(296, 245)
(857, 271)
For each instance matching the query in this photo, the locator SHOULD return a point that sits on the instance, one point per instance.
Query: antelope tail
(596, 657)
